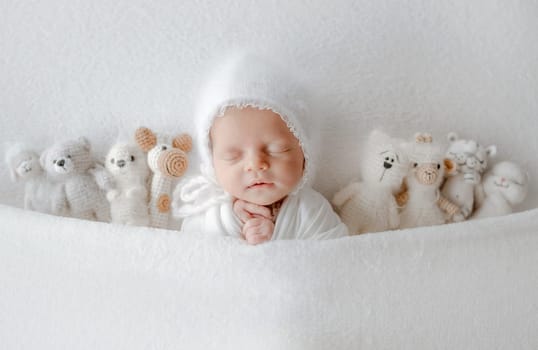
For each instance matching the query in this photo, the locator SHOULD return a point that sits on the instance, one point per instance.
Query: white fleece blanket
(85, 285)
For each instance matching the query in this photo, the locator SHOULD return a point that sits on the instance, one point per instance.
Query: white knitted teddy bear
(69, 163)
(471, 160)
(504, 186)
(425, 206)
(40, 194)
(369, 205)
(129, 198)
(168, 161)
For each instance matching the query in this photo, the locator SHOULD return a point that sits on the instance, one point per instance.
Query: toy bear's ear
(450, 166)
(183, 142)
(452, 136)
(491, 151)
(85, 143)
(423, 138)
(145, 138)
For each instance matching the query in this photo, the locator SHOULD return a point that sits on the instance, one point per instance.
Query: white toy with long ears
(471, 160)
(129, 198)
(40, 194)
(69, 163)
(424, 204)
(504, 186)
(168, 161)
(369, 205)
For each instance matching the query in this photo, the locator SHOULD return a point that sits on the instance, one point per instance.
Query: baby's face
(255, 156)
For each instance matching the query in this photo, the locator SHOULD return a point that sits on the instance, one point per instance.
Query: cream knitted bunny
(424, 204)
(369, 205)
(167, 159)
(129, 199)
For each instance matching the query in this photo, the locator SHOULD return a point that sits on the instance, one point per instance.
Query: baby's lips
(173, 163)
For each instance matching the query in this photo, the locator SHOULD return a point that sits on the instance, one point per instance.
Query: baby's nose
(256, 162)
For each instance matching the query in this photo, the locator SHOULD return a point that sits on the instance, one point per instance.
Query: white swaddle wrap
(248, 80)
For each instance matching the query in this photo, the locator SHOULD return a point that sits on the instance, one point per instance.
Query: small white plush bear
(40, 194)
(69, 163)
(167, 158)
(369, 205)
(471, 160)
(129, 199)
(425, 206)
(504, 186)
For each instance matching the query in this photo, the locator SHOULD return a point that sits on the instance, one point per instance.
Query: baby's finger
(258, 210)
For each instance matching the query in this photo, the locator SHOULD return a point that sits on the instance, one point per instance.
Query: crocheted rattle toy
(168, 161)
(424, 204)
(369, 205)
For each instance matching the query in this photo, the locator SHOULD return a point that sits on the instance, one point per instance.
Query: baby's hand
(246, 211)
(258, 230)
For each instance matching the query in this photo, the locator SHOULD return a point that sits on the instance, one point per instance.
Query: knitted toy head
(23, 163)
(248, 80)
(125, 162)
(427, 164)
(166, 157)
(384, 163)
(68, 158)
(508, 180)
(470, 157)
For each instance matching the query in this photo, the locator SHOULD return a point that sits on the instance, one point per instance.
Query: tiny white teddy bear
(425, 206)
(369, 205)
(40, 194)
(504, 186)
(471, 160)
(129, 199)
(69, 163)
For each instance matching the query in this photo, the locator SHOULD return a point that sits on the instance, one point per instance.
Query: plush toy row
(411, 184)
(403, 184)
(67, 180)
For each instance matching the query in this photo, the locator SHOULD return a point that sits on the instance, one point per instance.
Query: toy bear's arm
(137, 192)
(345, 194)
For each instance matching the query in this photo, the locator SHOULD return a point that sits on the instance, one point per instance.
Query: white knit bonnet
(249, 80)
(244, 80)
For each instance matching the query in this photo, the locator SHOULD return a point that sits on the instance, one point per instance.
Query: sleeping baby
(257, 161)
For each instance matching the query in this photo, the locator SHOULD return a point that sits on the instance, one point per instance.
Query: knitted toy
(425, 205)
(69, 163)
(40, 194)
(168, 161)
(471, 160)
(129, 199)
(505, 185)
(369, 205)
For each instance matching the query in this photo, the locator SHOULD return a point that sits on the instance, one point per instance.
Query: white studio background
(101, 68)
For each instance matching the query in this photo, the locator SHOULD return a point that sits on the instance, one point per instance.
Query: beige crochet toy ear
(450, 167)
(183, 142)
(145, 138)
